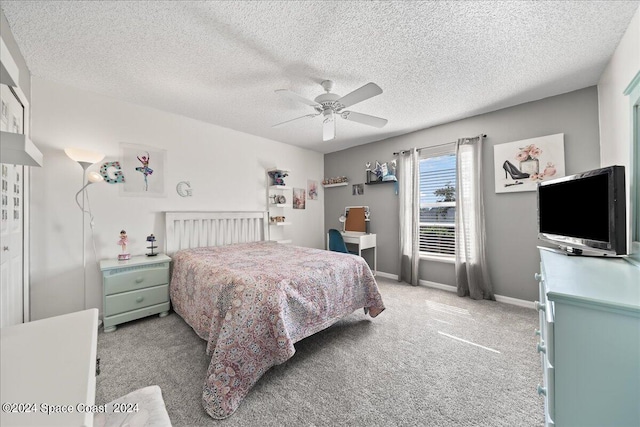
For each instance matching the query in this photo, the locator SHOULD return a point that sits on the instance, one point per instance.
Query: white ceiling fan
(330, 105)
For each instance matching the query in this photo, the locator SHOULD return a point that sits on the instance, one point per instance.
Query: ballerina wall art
(521, 165)
(144, 170)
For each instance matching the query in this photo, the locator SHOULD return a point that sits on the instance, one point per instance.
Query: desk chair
(336, 242)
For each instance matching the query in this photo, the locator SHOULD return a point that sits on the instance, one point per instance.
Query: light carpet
(430, 359)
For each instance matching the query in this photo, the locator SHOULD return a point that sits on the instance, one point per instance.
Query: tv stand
(573, 251)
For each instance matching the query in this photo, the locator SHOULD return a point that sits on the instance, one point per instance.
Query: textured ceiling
(220, 62)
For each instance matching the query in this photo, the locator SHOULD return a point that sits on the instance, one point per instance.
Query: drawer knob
(542, 348)
(537, 332)
(542, 391)
(139, 279)
(139, 299)
(538, 276)
(540, 307)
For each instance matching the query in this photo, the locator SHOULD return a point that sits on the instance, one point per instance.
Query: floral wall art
(521, 165)
(312, 189)
(299, 198)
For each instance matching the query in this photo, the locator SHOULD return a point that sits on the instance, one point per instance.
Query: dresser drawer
(547, 391)
(548, 328)
(549, 384)
(133, 300)
(136, 279)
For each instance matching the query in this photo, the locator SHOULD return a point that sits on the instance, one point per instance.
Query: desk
(364, 241)
(52, 362)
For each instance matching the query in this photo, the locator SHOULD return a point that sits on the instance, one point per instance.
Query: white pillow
(150, 410)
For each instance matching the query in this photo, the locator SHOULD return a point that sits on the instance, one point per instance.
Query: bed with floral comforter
(252, 301)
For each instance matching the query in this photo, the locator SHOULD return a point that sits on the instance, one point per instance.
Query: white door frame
(26, 179)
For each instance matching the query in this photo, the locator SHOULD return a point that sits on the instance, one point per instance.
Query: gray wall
(510, 217)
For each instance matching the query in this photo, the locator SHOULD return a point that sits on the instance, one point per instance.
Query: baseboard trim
(387, 275)
(437, 285)
(516, 301)
(449, 288)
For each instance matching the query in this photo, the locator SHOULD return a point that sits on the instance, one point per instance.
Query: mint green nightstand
(134, 288)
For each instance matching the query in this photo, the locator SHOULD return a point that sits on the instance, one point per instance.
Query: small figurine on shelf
(278, 177)
(124, 240)
(151, 238)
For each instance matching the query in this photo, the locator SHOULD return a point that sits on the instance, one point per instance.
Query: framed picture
(357, 189)
(299, 198)
(144, 170)
(312, 189)
(521, 165)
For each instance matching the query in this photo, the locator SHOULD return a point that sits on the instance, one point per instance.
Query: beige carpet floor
(431, 359)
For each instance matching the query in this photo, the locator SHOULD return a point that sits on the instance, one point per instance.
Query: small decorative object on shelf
(278, 199)
(383, 172)
(277, 219)
(124, 240)
(336, 180)
(151, 239)
(277, 177)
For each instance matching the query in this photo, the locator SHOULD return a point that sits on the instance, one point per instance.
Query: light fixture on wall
(85, 158)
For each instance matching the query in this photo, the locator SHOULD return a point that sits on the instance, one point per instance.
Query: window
(438, 201)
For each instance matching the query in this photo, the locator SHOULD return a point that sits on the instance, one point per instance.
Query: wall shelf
(379, 182)
(274, 169)
(340, 184)
(277, 231)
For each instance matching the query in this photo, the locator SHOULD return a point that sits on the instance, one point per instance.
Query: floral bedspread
(253, 301)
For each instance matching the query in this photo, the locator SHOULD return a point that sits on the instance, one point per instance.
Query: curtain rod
(431, 146)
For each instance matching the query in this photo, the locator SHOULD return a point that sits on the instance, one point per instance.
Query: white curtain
(472, 275)
(409, 192)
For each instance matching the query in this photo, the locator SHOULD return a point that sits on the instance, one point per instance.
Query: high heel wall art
(521, 165)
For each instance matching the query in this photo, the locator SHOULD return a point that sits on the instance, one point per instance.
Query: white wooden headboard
(186, 230)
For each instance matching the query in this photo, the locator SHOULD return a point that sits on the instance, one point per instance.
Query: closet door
(12, 294)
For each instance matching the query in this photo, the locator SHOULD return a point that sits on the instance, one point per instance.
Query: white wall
(226, 169)
(615, 125)
(614, 106)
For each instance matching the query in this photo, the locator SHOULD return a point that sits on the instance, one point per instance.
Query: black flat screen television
(585, 212)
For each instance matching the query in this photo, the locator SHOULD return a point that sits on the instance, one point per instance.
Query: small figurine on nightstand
(124, 240)
(151, 238)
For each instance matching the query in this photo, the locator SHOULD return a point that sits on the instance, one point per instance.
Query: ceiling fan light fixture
(329, 105)
(328, 128)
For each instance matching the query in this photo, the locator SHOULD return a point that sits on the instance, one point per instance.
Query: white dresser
(589, 340)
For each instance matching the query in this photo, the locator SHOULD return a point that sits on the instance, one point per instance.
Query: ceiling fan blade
(328, 129)
(297, 118)
(365, 119)
(296, 97)
(365, 92)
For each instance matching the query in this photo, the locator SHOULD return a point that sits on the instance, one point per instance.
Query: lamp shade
(83, 156)
(94, 177)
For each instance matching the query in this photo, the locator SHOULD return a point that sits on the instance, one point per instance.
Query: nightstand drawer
(136, 279)
(134, 300)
